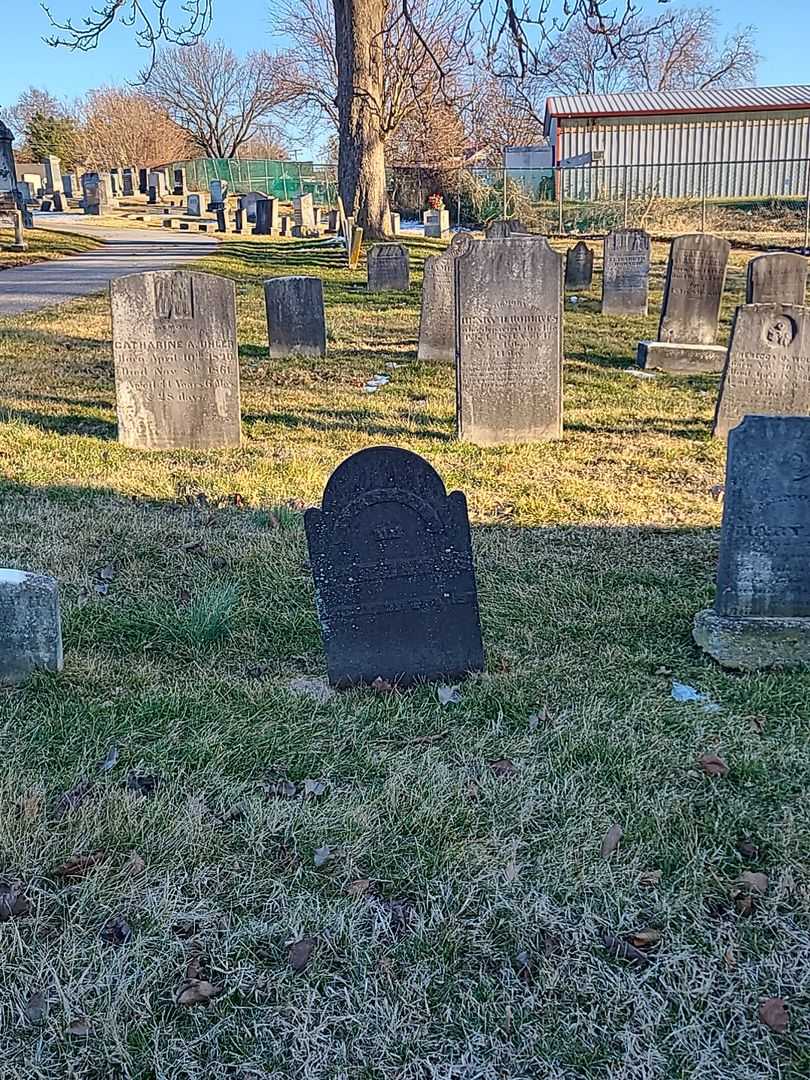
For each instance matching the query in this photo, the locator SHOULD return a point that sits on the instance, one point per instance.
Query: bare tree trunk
(361, 155)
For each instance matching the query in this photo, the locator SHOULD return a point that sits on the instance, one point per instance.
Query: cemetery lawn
(43, 245)
(440, 866)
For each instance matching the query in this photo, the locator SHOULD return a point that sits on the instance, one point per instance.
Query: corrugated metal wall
(747, 155)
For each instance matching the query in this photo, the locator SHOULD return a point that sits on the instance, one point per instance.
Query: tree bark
(361, 153)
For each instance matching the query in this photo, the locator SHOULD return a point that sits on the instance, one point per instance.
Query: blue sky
(244, 24)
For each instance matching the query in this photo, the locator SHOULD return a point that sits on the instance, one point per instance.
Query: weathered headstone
(767, 371)
(53, 174)
(437, 224)
(579, 266)
(30, 628)
(333, 221)
(176, 365)
(508, 309)
(247, 203)
(128, 181)
(157, 180)
(626, 272)
(503, 229)
(194, 206)
(780, 277)
(296, 323)
(388, 268)
(761, 613)
(219, 192)
(266, 217)
(437, 321)
(696, 275)
(394, 579)
(285, 225)
(94, 194)
(395, 224)
(303, 213)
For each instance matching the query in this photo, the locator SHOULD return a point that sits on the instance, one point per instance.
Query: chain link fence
(764, 200)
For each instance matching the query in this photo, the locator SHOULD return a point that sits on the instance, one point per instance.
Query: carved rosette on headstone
(394, 579)
(437, 322)
(579, 266)
(626, 272)
(508, 340)
(176, 363)
(388, 268)
(761, 614)
(779, 277)
(696, 275)
(768, 366)
(296, 324)
(30, 627)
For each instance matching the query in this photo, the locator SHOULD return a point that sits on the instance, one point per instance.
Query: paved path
(125, 251)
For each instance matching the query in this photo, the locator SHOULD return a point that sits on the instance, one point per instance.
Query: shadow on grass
(347, 420)
(62, 425)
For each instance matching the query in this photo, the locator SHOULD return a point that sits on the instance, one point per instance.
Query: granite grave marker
(767, 371)
(437, 321)
(696, 275)
(626, 272)
(30, 628)
(579, 266)
(176, 365)
(780, 277)
(296, 323)
(394, 579)
(508, 341)
(761, 613)
(388, 268)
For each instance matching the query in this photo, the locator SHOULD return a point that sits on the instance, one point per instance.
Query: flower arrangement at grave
(435, 202)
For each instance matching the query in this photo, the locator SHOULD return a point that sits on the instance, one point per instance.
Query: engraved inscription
(626, 272)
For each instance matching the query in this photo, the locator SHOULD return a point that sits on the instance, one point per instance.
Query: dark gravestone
(266, 212)
(579, 266)
(696, 275)
(388, 268)
(143, 181)
(296, 324)
(761, 614)
(394, 578)
(768, 367)
(437, 322)
(626, 272)
(508, 301)
(504, 229)
(176, 365)
(248, 204)
(777, 278)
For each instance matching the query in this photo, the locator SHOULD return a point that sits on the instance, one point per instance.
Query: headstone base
(678, 359)
(753, 644)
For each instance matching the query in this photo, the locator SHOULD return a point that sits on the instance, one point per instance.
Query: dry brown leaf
(623, 950)
(756, 883)
(301, 952)
(13, 901)
(650, 877)
(773, 1013)
(196, 992)
(79, 1029)
(134, 864)
(611, 841)
(503, 767)
(730, 959)
(382, 686)
(79, 865)
(713, 765)
(361, 887)
(645, 938)
(36, 1007)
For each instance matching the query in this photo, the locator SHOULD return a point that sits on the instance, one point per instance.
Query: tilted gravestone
(503, 229)
(30, 627)
(761, 613)
(696, 275)
(296, 324)
(394, 580)
(437, 321)
(768, 366)
(626, 272)
(176, 364)
(388, 268)
(508, 308)
(779, 277)
(579, 266)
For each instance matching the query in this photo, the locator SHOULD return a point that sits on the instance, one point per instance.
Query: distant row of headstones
(395, 587)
